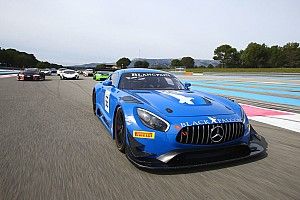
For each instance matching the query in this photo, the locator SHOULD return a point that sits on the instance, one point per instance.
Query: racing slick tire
(120, 130)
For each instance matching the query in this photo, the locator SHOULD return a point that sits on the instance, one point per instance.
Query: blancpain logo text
(150, 74)
(209, 121)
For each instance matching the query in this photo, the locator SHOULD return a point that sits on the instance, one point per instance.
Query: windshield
(150, 81)
(31, 70)
(102, 73)
(69, 72)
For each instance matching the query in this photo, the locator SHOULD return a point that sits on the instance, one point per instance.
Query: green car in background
(100, 75)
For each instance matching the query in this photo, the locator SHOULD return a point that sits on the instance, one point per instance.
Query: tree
(187, 61)
(141, 64)
(228, 56)
(43, 65)
(255, 55)
(100, 67)
(276, 57)
(17, 59)
(123, 62)
(210, 66)
(2, 56)
(291, 52)
(56, 66)
(176, 62)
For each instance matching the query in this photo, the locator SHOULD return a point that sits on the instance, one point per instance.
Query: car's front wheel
(120, 130)
(94, 102)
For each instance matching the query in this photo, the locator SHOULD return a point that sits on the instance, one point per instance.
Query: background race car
(100, 75)
(46, 71)
(160, 123)
(69, 74)
(32, 74)
(88, 72)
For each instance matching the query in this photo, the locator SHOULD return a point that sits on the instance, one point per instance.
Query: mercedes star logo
(217, 134)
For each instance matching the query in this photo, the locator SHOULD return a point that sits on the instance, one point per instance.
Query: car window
(114, 79)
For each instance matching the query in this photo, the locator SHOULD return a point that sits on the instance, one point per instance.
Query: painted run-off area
(277, 89)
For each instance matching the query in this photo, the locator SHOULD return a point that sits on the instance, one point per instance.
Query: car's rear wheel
(120, 130)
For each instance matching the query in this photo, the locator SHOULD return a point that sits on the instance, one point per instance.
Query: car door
(109, 99)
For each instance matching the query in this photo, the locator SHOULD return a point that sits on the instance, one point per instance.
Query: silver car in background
(60, 70)
(46, 71)
(88, 72)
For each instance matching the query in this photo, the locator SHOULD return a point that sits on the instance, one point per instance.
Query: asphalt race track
(53, 147)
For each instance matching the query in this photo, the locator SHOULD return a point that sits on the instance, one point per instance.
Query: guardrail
(6, 72)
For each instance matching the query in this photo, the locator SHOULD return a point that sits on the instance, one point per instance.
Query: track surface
(53, 147)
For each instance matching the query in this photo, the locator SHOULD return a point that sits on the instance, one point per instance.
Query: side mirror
(107, 83)
(187, 85)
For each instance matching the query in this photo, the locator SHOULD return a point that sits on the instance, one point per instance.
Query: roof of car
(141, 70)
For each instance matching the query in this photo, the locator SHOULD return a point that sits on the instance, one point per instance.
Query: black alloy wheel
(120, 130)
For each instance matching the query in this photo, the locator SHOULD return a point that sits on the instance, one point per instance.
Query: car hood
(183, 103)
(69, 74)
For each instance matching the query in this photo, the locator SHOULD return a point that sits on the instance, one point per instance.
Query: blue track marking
(258, 84)
(267, 86)
(245, 95)
(7, 72)
(244, 88)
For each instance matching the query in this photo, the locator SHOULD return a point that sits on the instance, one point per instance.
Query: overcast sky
(83, 31)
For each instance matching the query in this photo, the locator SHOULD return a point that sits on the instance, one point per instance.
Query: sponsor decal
(144, 134)
(150, 74)
(182, 99)
(210, 120)
(106, 100)
(213, 119)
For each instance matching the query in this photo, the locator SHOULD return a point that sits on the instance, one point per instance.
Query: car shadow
(213, 167)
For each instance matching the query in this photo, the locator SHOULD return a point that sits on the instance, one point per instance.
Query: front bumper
(195, 157)
(30, 78)
(70, 77)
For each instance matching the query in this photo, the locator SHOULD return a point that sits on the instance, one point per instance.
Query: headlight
(243, 115)
(153, 121)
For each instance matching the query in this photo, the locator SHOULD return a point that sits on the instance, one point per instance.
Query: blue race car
(160, 123)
